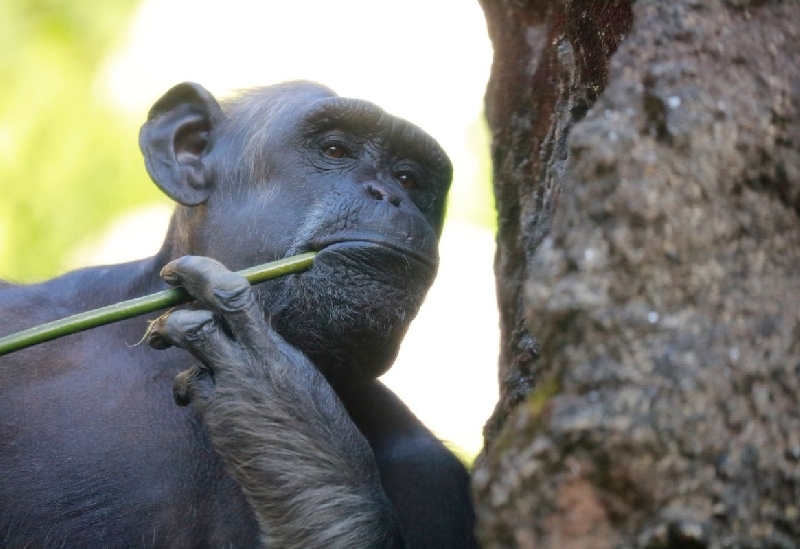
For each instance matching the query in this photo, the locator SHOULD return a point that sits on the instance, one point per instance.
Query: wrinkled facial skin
(345, 179)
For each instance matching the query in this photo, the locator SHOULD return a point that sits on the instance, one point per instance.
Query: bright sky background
(427, 61)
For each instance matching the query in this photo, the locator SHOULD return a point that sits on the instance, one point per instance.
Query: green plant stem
(140, 305)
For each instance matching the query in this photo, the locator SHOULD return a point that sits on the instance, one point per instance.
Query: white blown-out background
(426, 61)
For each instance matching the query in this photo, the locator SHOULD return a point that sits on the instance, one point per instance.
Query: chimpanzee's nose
(382, 191)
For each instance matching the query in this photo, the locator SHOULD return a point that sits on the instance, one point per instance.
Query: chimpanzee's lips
(334, 244)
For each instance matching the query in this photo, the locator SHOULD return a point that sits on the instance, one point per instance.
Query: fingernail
(169, 275)
(157, 342)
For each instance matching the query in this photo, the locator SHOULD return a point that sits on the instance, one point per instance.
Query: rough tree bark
(647, 173)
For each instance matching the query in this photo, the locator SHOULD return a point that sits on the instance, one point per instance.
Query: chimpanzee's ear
(176, 139)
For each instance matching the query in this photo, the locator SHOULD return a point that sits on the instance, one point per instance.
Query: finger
(155, 340)
(227, 293)
(181, 271)
(191, 384)
(200, 334)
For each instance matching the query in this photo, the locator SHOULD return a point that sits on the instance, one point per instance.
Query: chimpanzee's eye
(335, 150)
(407, 180)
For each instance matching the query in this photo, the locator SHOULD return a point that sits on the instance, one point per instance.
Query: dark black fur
(288, 440)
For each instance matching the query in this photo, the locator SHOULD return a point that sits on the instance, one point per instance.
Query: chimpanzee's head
(292, 168)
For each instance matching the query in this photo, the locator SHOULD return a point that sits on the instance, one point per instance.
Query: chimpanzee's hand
(273, 418)
(227, 299)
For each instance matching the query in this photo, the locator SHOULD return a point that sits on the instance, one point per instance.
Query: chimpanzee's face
(295, 168)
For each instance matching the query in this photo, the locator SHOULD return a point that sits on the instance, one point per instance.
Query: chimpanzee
(284, 437)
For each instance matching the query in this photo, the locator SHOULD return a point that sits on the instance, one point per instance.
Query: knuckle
(186, 262)
(200, 263)
(232, 292)
(187, 325)
(191, 267)
(198, 331)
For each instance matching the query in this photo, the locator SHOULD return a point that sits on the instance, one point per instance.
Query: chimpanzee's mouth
(338, 245)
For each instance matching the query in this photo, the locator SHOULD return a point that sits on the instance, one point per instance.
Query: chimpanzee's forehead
(276, 105)
(312, 107)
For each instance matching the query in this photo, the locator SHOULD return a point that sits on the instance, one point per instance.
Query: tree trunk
(647, 174)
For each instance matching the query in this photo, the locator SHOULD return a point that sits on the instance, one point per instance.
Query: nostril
(374, 192)
(377, 192)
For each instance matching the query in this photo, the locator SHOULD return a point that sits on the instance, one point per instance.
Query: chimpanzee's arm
(283, 433)
(427, 484)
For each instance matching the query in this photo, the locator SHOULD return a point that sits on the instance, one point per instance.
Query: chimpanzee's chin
(351, 308)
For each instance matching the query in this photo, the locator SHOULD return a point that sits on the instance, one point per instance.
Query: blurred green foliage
(69, 162)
